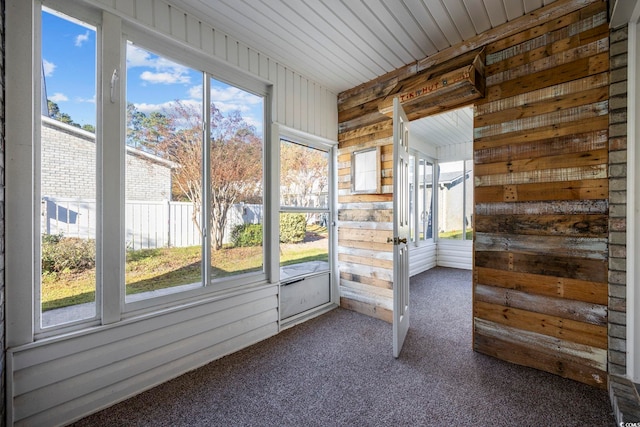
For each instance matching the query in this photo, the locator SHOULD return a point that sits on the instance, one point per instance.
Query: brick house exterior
(69, 166)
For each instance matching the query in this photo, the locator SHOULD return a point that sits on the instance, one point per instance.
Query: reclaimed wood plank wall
(365, 221)
(541, 190)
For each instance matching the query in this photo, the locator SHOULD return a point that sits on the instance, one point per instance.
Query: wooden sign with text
(454, 87)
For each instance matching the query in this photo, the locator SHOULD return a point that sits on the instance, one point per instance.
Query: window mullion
(206, 182)
(20, 125)
(111, 170)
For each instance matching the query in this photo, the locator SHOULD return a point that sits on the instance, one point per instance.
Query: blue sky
(153, 82)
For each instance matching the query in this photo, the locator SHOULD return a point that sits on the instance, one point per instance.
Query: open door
(400, 227)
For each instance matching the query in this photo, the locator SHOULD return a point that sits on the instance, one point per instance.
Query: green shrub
(293, 227)
(247, 235)
(67, 253)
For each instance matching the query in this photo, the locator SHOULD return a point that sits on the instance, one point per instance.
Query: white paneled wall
(455, 254)
(56, 380)
(422, 258)
(298, 102)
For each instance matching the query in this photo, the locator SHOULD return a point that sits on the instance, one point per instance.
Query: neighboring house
(451, 202)
(69, 166)
(68, 188)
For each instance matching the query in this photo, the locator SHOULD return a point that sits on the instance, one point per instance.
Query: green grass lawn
(456, 235)
(152, 269)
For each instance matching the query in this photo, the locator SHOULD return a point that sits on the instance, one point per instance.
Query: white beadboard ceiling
(450, 128)
(341, 44)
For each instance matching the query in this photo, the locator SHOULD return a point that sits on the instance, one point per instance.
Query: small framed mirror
(365, 171)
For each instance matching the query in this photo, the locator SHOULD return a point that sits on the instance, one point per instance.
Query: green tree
(235, 152)
(56, 114)
(147, 132)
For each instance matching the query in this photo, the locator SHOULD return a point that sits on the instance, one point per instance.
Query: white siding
(422, 258)
(60, 380)
(455, 254)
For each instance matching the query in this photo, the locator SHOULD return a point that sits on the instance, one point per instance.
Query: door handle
(396, 240)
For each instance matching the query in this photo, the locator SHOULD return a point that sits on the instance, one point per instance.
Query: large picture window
(150, 193)
(163, 169)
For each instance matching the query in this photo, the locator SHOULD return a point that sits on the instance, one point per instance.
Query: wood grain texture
(583, 225)
(543, 324)
(542, 208)
(541, 187)
(551, 191)
(570, 360)
(560, 307)
(552, 264)
(532, 150)
(538, 284)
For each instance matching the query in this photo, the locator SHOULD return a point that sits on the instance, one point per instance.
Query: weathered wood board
(541, 187)
(541, 190)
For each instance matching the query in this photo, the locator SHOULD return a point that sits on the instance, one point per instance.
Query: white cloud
(257, 124)
(164, 70)
(91, 100)
(230, 93)
(165, 77)
(165, 106)
(195, 92)
(137, 57)
(229, 99)
(81, 39)
(58, 97)
(48, 67)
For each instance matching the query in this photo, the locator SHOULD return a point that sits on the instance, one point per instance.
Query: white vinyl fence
(149, 224)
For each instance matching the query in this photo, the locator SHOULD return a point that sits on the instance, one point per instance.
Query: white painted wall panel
(178, 21)
(455, 254)
(264, 66)
(55, 381)
(193, 32)
(144, 11)
(51, 378)
(422, 258)
(161, 21)
(254, 62)
(126, 6)
(220, 45)
(207, 39)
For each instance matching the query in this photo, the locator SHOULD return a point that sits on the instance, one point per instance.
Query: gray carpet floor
(338, 370)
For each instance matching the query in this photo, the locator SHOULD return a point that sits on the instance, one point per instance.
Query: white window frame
(319, 145)
(313, 141)
(436, 219)
(428, 160)
(22, 168)
(415, 225)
